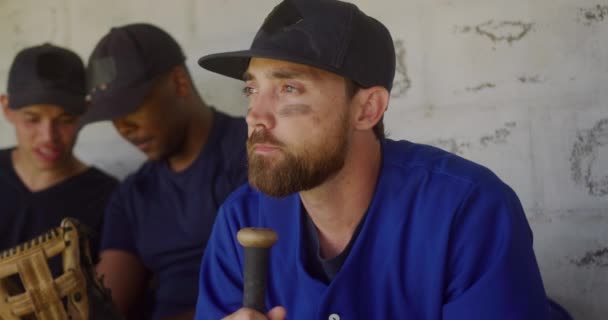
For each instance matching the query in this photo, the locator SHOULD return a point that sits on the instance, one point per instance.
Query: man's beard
(295, 172)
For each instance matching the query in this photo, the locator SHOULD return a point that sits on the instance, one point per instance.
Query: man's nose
(49, 131)
(260, 112)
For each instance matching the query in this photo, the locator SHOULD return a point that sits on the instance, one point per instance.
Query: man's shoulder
(90, 184)
(231, 140)
(7, 173)
(414, 157)
(230, 122)
(226, 116)
(5, 157)
(233, 129)
(99, 176)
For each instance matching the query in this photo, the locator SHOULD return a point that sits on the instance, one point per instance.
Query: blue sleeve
(117, 232)
(492, 270)
(220, 281)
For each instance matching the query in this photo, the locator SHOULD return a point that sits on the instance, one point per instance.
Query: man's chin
(271, 191)
(152, 155)
(271, 184)
(45, 165)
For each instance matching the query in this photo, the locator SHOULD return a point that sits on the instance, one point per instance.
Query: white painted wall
(519, 86)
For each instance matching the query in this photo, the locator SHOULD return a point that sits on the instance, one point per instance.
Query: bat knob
(256, 237)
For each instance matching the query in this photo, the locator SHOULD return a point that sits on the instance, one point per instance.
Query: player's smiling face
(45, 134)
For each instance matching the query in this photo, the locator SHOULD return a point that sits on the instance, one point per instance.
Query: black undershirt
(323, 269)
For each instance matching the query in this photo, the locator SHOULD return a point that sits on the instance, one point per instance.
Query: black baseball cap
(47, 74)
(327, 34)
(123, 66)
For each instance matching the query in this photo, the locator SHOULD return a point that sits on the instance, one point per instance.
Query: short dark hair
(351, 90)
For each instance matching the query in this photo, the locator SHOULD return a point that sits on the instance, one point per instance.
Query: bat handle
(256, 243)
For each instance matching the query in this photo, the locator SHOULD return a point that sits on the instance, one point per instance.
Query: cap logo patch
(103, 71)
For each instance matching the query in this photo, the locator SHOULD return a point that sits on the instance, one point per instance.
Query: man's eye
(247, 91)
(290, 89)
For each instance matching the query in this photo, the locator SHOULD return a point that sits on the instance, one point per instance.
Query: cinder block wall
(519, 86)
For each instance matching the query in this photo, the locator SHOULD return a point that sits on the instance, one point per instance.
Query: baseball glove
(76, 294)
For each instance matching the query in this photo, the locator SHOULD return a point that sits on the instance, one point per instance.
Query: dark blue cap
(327, 34)
(47, 74)
(123, 66)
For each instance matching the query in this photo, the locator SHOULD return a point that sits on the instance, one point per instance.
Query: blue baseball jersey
(443, 238)
(165, 217)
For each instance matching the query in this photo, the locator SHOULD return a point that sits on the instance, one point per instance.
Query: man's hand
(125, 275)
(277, 313)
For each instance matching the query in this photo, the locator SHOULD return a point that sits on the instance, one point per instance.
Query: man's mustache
(263, 137)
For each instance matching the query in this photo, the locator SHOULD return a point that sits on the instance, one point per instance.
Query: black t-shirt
(165, 217)
(25, 214)
(323, 269)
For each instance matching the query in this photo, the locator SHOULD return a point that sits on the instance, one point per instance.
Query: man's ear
(5, 110)
(180, 81)
(371, 104)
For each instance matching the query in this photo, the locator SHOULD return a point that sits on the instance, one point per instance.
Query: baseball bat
(256, 243)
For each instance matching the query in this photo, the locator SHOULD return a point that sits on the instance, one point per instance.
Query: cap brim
(71, 103)
(234, 64)
(109, 107)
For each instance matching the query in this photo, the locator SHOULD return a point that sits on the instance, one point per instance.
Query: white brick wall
(519, 86)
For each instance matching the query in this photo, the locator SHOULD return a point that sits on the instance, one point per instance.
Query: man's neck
(337, 206)
(36, 180)
(197, 132)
